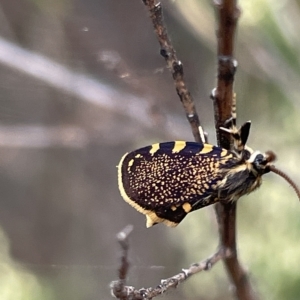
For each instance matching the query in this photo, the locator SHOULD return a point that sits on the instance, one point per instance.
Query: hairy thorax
(237, 180)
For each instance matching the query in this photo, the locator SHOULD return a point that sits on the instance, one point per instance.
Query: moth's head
(261, 162)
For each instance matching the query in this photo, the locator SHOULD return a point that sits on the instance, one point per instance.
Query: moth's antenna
(287, 178)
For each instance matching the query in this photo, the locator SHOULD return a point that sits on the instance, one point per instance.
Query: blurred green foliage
(17, 283)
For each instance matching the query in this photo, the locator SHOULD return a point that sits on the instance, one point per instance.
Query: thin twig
(118, 288)
(228, 14)
(223, 96)
(168, 52)
(120, 291)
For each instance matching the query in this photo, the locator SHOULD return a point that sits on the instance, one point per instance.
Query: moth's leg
(203, 134)
(231, 122)
(240, 135)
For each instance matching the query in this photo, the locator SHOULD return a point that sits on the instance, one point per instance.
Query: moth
(166, 181)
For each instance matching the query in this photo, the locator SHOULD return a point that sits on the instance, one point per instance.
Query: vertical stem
(228, 14)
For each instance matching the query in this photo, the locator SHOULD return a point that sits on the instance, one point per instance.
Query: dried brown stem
(123, 292)
(222, 96)
(168, 52)
(228, 14)
(118, 288)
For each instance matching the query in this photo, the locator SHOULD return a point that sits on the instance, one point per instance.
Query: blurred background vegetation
(82, 82)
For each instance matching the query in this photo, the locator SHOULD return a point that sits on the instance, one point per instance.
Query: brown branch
(226, 213)
(228, 14)
(118, 288)
(123, 292)
(168, 52)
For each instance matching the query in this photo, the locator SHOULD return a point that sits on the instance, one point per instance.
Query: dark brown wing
(165, 181)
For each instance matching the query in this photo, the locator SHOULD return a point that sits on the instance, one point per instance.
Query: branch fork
(228, 14)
